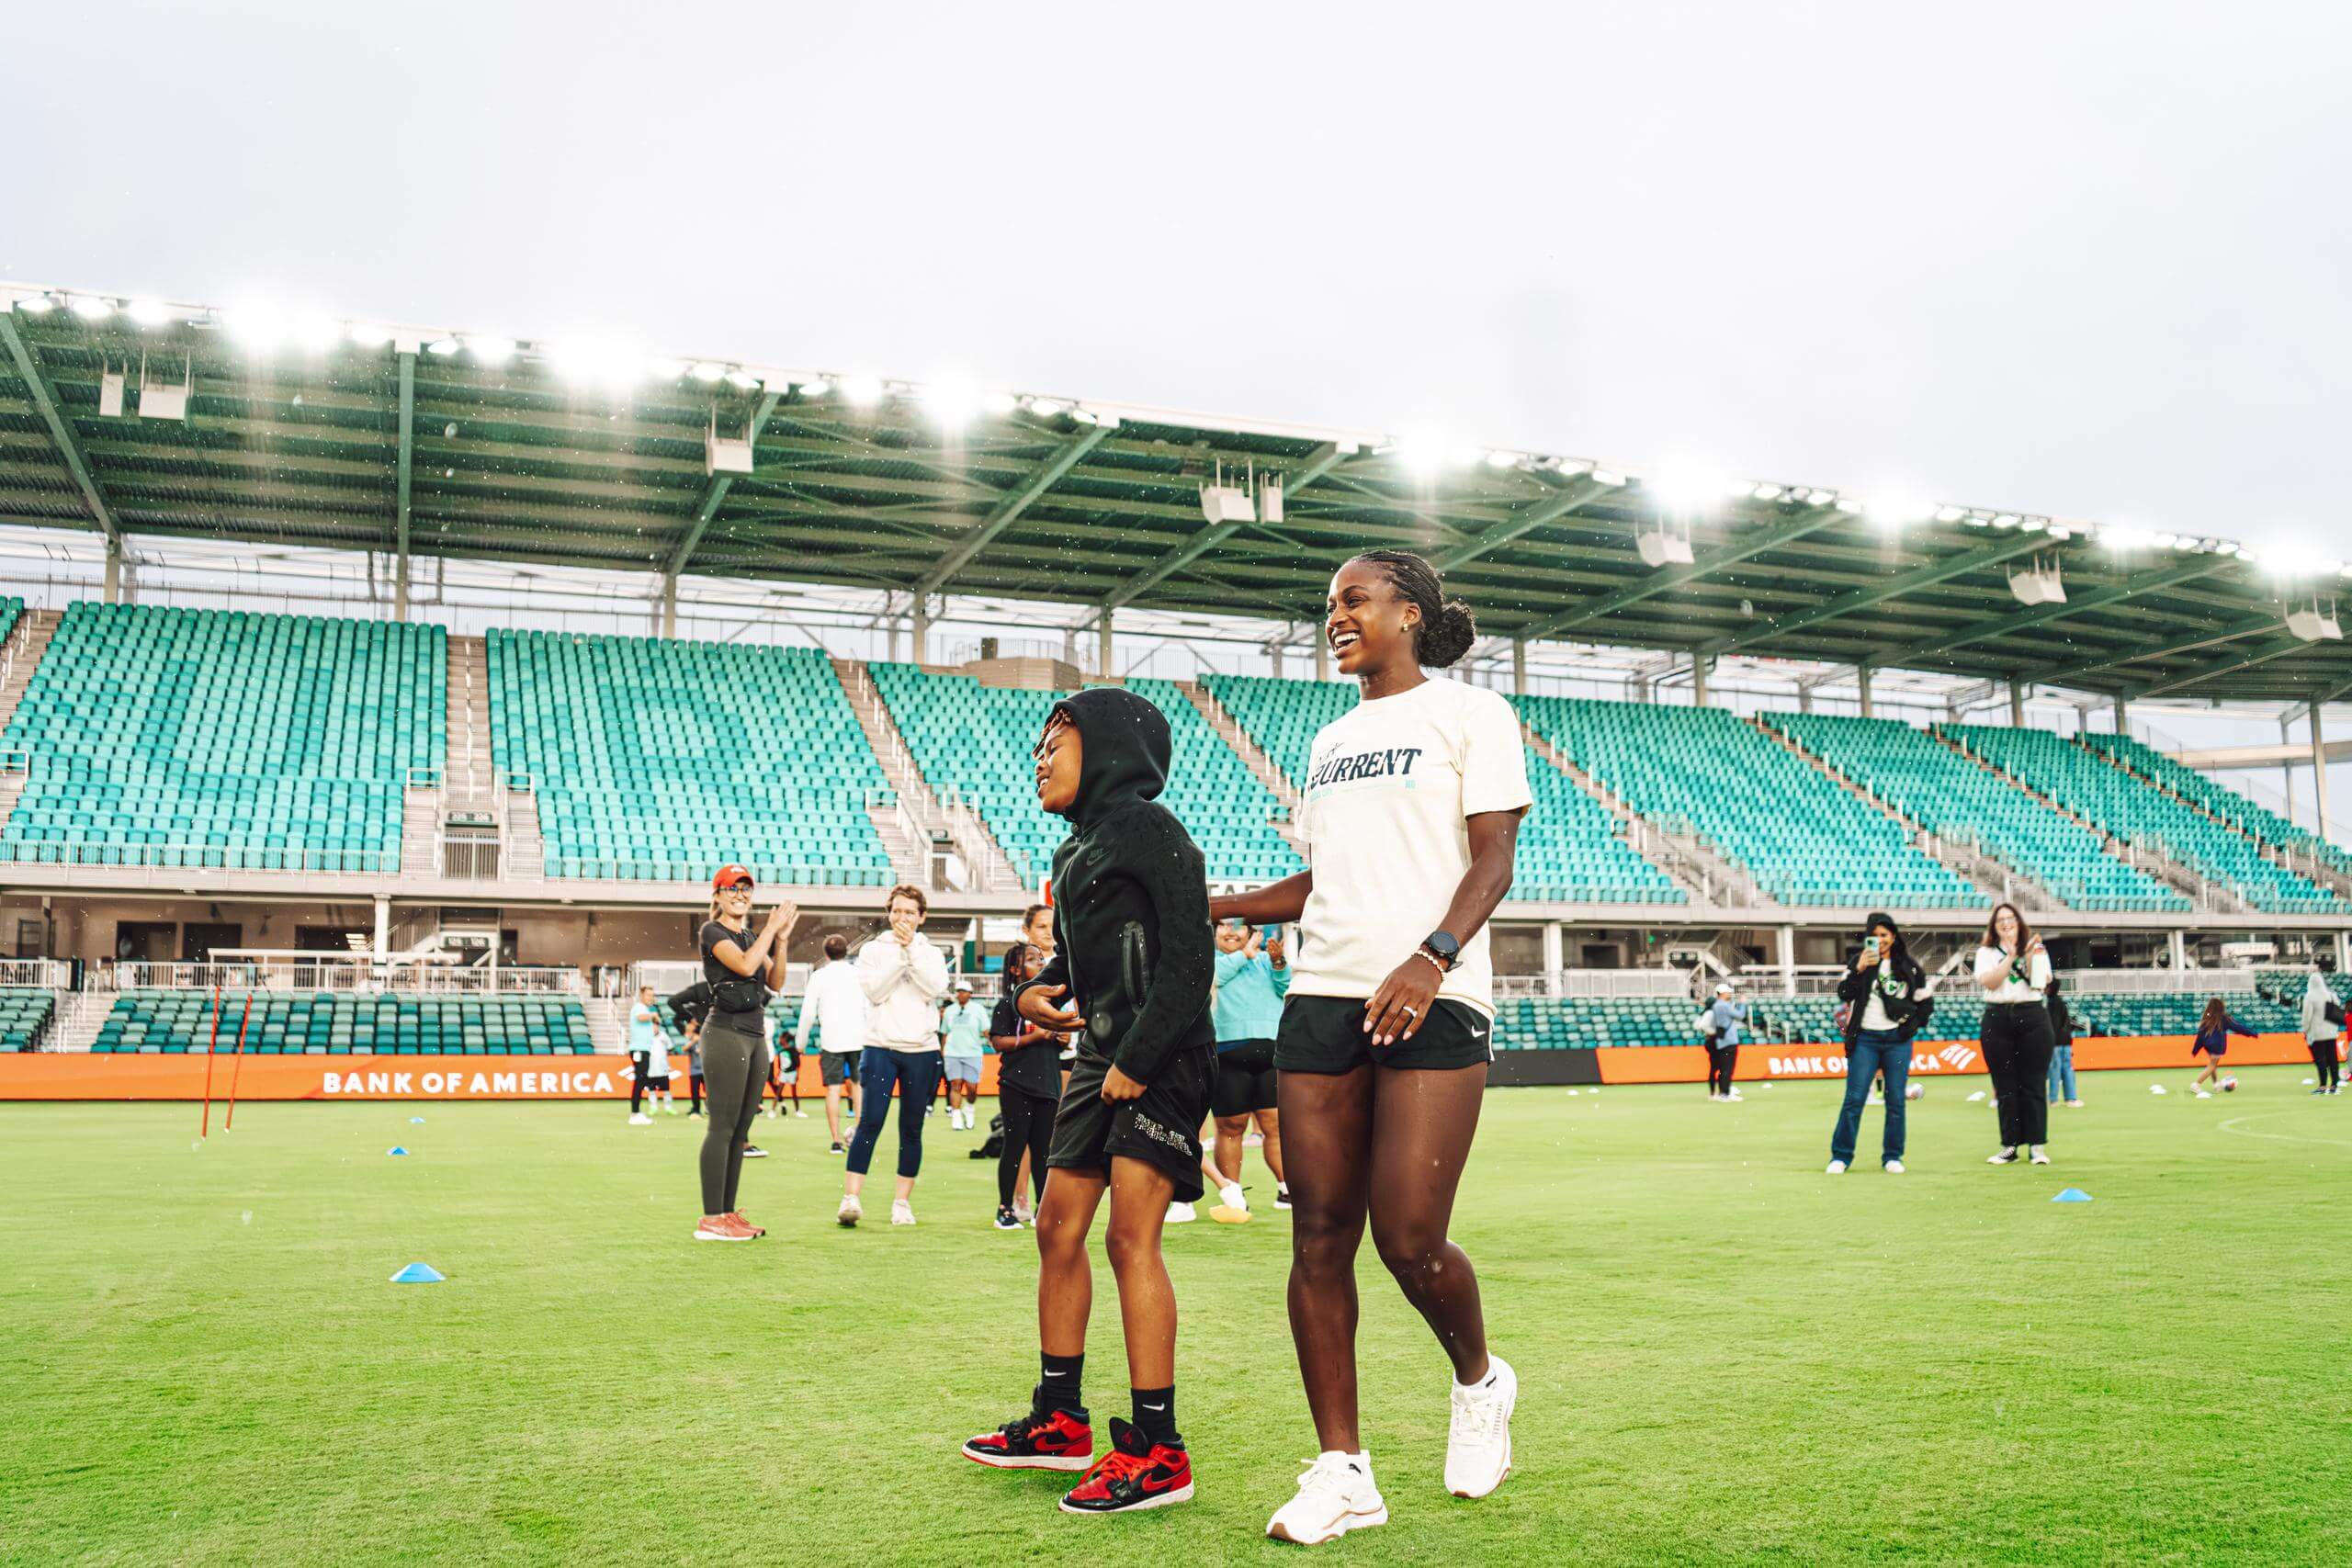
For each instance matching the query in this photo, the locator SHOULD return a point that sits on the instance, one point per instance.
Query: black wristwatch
(1442, 947)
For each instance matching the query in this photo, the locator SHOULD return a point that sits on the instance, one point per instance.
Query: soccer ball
(2228, 1086)
(1915, 1092)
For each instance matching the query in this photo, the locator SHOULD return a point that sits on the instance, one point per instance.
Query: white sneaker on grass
(901, 1213)
(2041, 1156)
(1335, 1496)
(850, 1211)
(1836, 1167)
(1180, 1214)
(1477, 1442)
(1893, 1168)
(641, 1120)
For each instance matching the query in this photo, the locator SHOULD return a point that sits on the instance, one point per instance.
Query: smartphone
(1870, 945)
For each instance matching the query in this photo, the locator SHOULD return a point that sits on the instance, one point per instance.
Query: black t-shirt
(716, 974)
(1033, 1069)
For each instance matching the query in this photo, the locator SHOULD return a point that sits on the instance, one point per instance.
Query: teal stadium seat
(340, 1024)
(223, 740)
(664, 760)
(2257, 822)
(1945, 792)
(24, 1014)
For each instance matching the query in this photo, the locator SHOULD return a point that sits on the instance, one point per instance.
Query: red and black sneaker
(1057, 1439)
(1135, 1473)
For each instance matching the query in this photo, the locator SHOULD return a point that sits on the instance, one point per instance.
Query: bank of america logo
(1959, 1058)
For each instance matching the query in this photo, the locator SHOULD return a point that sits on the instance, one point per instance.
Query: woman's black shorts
(1325, 1034)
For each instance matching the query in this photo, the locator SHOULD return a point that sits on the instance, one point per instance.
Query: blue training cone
(418, 1274)
(2072, 1195)
(416, 1120)
(396, 1149)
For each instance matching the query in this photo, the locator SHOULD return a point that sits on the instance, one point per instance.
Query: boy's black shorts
(1160, 1126)
(1245, 1078)
(1325, 1034)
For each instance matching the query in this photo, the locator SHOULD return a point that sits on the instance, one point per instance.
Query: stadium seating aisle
(342, 1023)
(1229, 814)
(25, 1015)
(659, 761)
(2200, 789)
(1804, 840)
(12, 605)
(223, 740)
(2095, 788)
(1943, 792)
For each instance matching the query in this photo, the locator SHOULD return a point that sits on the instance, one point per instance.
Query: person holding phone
(1884, 1001)
(741, 969)
(2013, 971)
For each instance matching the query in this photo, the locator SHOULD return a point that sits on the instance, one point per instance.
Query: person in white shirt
(1411, 814)
(903, 975)
(2013, 971)
(836, 1007)
(2320, 1032)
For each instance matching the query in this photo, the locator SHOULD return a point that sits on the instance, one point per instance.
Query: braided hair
(1447, 628)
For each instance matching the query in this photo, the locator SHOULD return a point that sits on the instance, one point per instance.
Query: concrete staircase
(606, 1030)
(1708, 875)
(526, 851)
(920, 815)
(2327, 877)
(2209, 897)
(1228, 728)
(81, 1015)
(1993, 877)
(19, 656)
(469, 776)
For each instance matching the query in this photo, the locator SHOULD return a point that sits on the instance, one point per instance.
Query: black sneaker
(753, 1151)
(840, 1148)
(1004, 1220)
(1282, 1197)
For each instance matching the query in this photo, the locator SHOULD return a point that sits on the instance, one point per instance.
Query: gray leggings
(734, 1071)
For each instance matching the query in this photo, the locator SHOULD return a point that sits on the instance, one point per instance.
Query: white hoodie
(903, 985)
(2316, 996)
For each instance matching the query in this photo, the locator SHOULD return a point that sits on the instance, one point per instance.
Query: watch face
(1444, 946)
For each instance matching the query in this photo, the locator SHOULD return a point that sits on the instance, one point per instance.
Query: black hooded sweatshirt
(1131, 899)
(1901, 986)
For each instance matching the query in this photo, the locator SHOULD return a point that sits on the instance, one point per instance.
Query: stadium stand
(1281, 716)
(975, 741)
(1945, 792)
(24, 1014)
(1804, 840)
(661, 760)
(224, 740)
(2264, 825)
(341, 1023)
(2098, 790)
(11, 607)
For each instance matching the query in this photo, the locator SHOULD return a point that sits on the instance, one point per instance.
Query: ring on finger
(1412, 1013)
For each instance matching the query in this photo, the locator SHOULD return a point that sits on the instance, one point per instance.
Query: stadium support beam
(1519, 666)
(402, 482)
(2025, 620)
(1322, 657)
(2319, 771)
(1103, 629)
(1551, 509)
(2228, 664)
(2016, 703)
(1700, 664)
(2209, 637)
(1317, 464)
(1041, 479)
(670, 606)
(45, 400)
(1755, 542)
(1862, 685)
(1877, 593)
(715, 490)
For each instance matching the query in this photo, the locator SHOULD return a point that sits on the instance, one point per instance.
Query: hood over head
(1126, 748)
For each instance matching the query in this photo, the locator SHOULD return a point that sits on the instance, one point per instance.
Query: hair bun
(1444, 642)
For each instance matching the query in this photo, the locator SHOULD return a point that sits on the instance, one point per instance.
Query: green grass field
(1724, 1354)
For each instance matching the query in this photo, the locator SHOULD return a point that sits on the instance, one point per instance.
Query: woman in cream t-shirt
(1410, 811)
(2013, 974)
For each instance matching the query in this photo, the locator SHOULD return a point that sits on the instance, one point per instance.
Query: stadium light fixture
(150, 312)
(442, 347)
(665, 370)
(1951, 514)
(1501, 458)
(816, 387)
(1685, 489)
(1043, 408)
(709, 371)
(90, 307)
(995, 405)
(742, 380)
(368, 335)
(951, 401)
(2004, 520)
(1768, 492)
(861, 392)
(34, 304)
(1818, 497)
(258, 328)
(2122, 540)
(491, 350)
(1612, 477)
(1420, 455)
(605, 365)
(1897, 509)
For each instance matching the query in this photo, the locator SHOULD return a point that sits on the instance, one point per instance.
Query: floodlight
(1610, 477)
(369, 336)
(1818, 497)
(442, 346)
(2004, 520)
(89, 307)
(492, 350)
(150, 312)
(742, 379)
(259, 328)
(610, 367)
(1684, 488)
(665, 370)
(2165, 541)
(815, 388)
(951, 401)
(1768, 492)
(861, 392)
(1499, 458)
(34, 304)
(1421, 454)
(708, 371)
(998, 404)
(1951, 514)
(1043, 408)
(1895, 509)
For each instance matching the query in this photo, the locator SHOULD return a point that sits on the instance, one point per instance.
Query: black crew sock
(1155, 1411)
(1059, 1381)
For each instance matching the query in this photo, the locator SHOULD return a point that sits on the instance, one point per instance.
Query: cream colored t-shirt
(1382, 811)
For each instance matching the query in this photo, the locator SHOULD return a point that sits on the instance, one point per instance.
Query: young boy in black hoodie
(1132, 961)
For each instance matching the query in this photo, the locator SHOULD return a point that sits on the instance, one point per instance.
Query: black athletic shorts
(1160, 1126)
(1325, 1034)
(837, 1067)
(1245, 1078)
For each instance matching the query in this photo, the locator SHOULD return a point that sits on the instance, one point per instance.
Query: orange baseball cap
(732, 877)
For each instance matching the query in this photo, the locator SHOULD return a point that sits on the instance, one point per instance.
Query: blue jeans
(915, 1074)
(2062, 1073)
(1873, 1051)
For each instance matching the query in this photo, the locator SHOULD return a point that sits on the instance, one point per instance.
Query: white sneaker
(2074, 1105)
(1836, 1167)
(2041, 1155)
(803, 1115)
(1335, 1496)
(2204, 1094)
(850, 1213)
(1894, 1168)
(1735, 1095)
(641, 1120)
(1875, 1100)
(1478, 1443)
(902, 1212)
(2007, 1156)
(1180, 1214)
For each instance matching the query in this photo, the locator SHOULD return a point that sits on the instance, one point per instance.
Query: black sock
(1059, 1379)
(1155, 1411)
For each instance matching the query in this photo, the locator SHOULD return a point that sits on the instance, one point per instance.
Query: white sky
(2087, 259)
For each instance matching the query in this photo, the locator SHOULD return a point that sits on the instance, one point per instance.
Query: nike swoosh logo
(1155, 1407)
(1478, 1034)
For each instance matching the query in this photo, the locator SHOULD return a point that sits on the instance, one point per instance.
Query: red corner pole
(204, 1129)
(238, 1071)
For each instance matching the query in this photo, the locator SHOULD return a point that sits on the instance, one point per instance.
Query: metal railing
(204, 857)
(42, 974)
(339, 971)
(476, 860)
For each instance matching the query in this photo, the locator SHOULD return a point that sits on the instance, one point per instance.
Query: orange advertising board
(1688, 1064)
(84, 1075)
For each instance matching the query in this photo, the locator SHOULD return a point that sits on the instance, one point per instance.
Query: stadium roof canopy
(423, 442)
